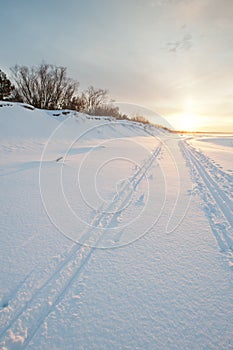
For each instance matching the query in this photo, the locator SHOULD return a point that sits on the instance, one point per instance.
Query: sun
(185, 122)
(188, 122)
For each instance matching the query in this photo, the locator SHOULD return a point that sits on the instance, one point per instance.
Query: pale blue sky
(172, 56)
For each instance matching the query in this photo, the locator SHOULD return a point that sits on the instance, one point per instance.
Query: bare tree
(93, 98)
(44, 86)
(5, 86)
(77, 103)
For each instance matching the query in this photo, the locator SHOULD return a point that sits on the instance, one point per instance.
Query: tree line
(48, 86)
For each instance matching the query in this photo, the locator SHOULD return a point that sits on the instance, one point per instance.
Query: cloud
(169, 2)
(184, 44)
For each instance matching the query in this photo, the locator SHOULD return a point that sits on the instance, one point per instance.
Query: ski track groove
(220, 200)
(37, 301)
(215, 172)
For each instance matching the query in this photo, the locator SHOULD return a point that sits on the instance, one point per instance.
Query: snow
(218, 149)
(114, 235)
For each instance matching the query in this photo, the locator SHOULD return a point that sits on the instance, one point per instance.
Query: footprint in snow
(140, 200)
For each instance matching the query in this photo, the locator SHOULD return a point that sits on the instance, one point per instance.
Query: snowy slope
(114, 235)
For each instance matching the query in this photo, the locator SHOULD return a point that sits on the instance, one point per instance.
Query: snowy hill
(114, 234)
(23, 121)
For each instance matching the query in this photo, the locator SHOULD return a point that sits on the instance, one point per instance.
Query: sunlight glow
(186, 121)
(189, 122)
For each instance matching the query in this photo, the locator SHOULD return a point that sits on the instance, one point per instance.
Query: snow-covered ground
(114, 235)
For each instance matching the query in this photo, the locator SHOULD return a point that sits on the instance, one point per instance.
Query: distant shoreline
(202, 132)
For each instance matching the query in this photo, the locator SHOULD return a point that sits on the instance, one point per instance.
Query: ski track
(218, 205)
(224, 180)
(37, 307)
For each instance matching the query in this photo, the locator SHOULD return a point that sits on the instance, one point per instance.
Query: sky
(174, 57)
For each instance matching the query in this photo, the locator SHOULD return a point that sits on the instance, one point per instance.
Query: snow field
(113, 236)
